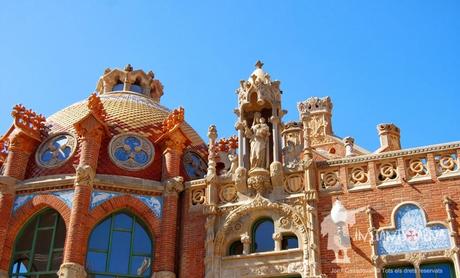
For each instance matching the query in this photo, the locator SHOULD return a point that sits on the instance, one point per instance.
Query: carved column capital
(174, 185)
(72, 270)
(84, 175)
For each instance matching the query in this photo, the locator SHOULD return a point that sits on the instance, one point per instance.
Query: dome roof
(126, 112)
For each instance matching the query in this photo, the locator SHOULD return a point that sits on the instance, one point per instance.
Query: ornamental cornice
(390, 154)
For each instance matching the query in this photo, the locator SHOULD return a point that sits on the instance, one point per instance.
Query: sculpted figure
(258, 135)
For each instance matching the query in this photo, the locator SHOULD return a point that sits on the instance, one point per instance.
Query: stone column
(20, 149)
(246, 240)
(75, 249)
(277, 237)
(173, 183)
(311, 199)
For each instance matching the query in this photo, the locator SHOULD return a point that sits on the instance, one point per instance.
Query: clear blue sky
(380, 61)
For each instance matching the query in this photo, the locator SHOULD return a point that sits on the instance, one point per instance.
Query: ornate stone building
(120, 186)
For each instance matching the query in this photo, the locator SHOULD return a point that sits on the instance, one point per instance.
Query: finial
(150, 73)
(259, 64)
(128, 67)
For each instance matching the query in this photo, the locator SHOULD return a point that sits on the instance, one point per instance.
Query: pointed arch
(24, 214)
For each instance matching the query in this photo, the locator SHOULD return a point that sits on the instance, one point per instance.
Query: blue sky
(380, 61)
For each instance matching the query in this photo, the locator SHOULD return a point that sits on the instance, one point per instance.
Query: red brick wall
(192, 237)
(383, 201)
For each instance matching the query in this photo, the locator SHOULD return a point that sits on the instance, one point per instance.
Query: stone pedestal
(259, 181)
(71, 270)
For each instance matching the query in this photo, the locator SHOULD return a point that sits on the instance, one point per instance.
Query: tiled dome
(126, 112)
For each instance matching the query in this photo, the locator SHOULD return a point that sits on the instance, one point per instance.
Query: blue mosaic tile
(412, 234)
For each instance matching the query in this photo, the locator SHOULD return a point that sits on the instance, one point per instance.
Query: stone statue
(258, 135)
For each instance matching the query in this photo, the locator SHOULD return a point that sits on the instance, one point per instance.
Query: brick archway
(24, 214)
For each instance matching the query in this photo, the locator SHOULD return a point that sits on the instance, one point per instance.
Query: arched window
(262, 234)
(39, 246)
(236, 248)
(289, 241)
(119, 246)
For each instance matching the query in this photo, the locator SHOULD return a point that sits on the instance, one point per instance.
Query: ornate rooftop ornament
(29, 122)
(259, 90)
(130, 80)
(96, 107)
(174, 119)
(319, 114)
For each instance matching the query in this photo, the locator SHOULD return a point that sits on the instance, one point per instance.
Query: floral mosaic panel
(66, 196)
(412, 234)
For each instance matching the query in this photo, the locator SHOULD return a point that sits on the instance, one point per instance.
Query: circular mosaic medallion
(194, 165)
(131, 151)
(56, 150)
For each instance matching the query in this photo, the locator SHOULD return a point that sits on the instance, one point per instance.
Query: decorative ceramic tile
(66, 196)
(412, 234)
(20, 200)
(155, 203)
(99, 197)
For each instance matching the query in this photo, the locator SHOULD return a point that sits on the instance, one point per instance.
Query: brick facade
(193, 213)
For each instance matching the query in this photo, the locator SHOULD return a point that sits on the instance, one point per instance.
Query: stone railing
(418, 165)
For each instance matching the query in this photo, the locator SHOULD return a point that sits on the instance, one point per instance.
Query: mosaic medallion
(56, 150)
(131, 151)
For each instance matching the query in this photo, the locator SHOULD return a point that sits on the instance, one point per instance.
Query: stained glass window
(119, 246)
(39, 247)
(194, 165)
(131, 151)
(56, 150)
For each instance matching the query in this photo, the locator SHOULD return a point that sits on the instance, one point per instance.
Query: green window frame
(43, 236)
(108, 251)
(254, 244)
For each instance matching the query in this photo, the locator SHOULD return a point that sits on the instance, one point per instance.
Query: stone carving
(387, 172)
(394, 154)
(348, 143)
(276, 173)
(293, 183)
(84, 175)
(329, 180)
(71, 270)
(258, 135)
(174, 185)
(212, 135)
(273, 269)
(415, 258)
(259, 181)
(417, 168)
(198, 196)
(447, 163)
(293, 145)
(359, 175)
(240, 179)
(228, 193)
(284, 222)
